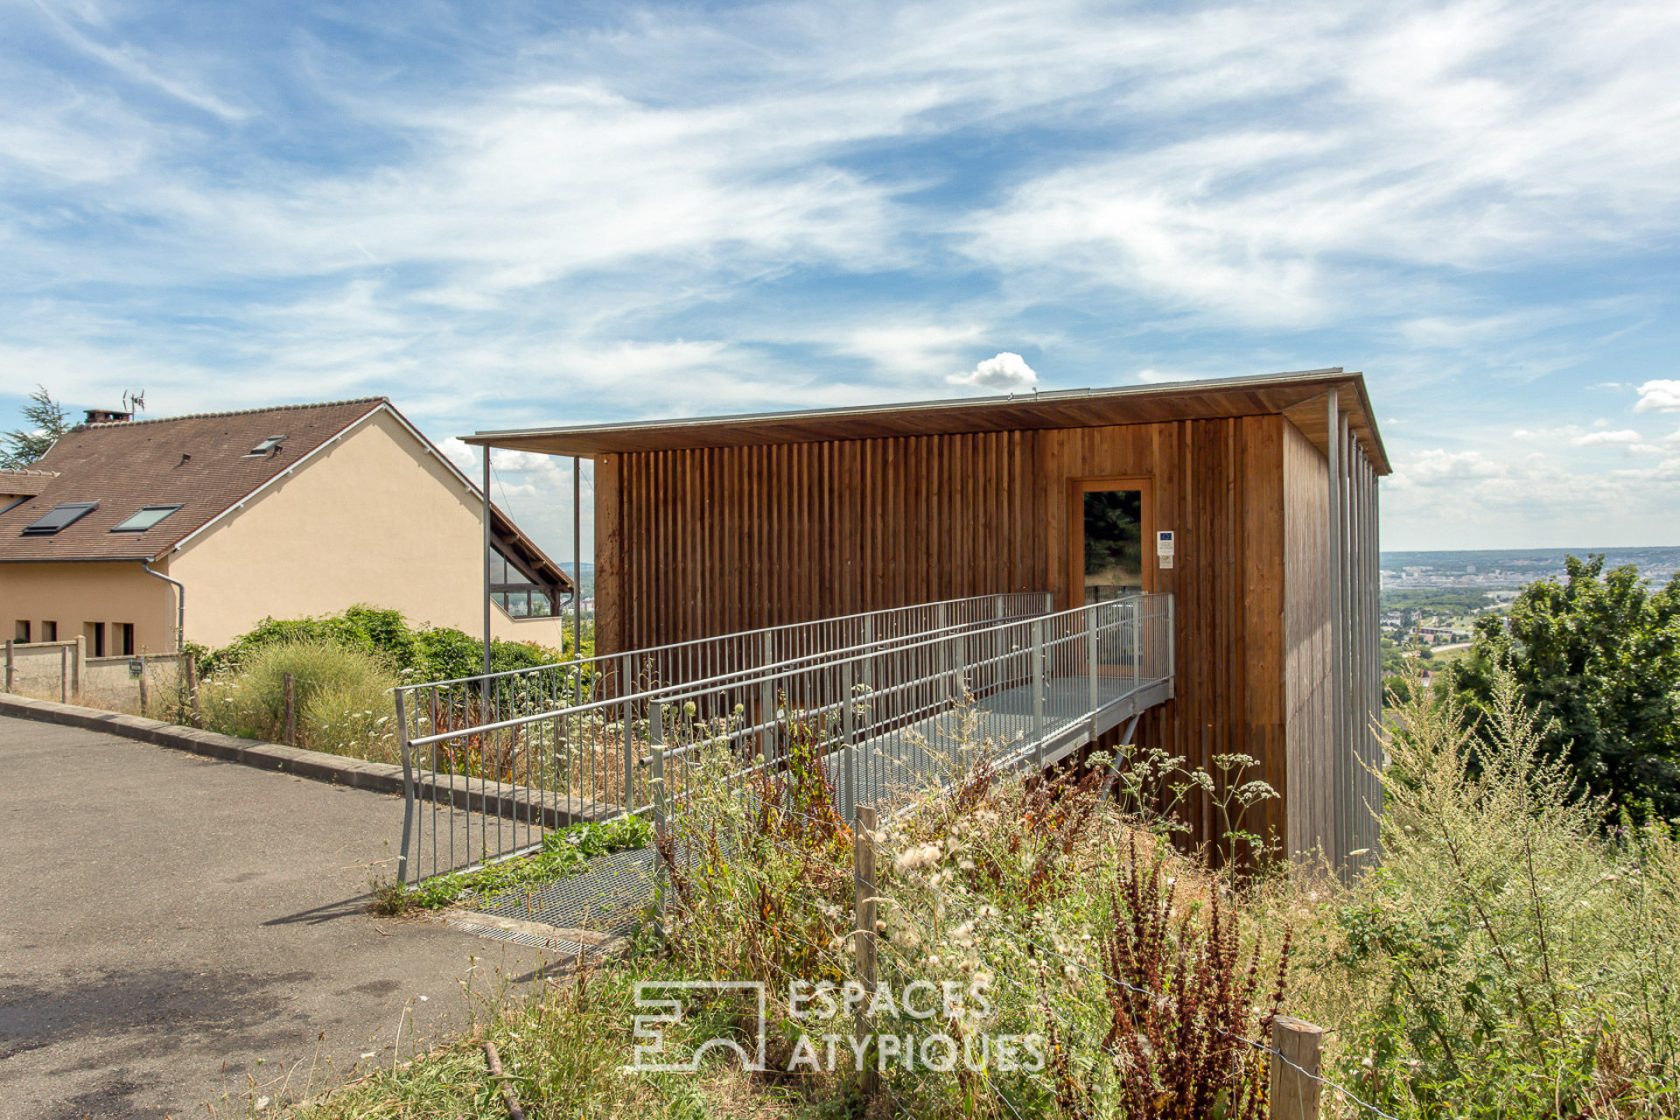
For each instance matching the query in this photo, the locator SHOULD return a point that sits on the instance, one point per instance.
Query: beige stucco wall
(75, 594)
(373, 518)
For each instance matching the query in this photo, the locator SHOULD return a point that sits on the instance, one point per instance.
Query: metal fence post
(408, 789)
(1038, 690)
(1137, 642)
(767, 703)
(1049, 602)
(11, 665)
(1091, 664)
(1172, 648)
(848, 796)
(662, 843)
(864, 916)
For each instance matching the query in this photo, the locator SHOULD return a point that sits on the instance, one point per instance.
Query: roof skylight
(145, 519)
(59, 517)
(266, 447)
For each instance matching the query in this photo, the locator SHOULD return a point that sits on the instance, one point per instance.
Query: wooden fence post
(289, 735)
(189, 665)
(1294, 1088)
(864, 907)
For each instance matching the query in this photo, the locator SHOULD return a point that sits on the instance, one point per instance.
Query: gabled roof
(1298, 395)
(201, 463)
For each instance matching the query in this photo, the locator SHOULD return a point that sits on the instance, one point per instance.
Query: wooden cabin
(1252, 500)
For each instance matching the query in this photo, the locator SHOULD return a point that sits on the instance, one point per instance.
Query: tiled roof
(198, 462)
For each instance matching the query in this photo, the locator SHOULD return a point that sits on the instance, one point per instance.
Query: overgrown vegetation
(341, 699)
(1511, 957)
(417, 653)
(564, 852)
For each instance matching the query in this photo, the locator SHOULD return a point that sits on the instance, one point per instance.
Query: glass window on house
(94, 634)
(122, 637)
(49, 630)
(20, 632)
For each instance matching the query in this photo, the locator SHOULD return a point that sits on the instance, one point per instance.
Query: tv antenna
(134, 400)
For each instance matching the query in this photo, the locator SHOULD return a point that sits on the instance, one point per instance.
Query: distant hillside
(1503, 569)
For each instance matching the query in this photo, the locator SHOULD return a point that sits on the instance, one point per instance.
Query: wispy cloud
(504, 217)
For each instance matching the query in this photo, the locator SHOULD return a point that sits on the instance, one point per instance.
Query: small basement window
(266, 447)
(59, 517)
(145, 519)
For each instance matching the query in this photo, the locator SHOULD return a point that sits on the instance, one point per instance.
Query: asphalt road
(183, 937)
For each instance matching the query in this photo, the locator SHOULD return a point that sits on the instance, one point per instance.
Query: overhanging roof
(1300, 396)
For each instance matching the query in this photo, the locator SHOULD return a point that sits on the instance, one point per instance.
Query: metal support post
(1091, 666)
(1038, 690)
(408, 790)
(661, 811)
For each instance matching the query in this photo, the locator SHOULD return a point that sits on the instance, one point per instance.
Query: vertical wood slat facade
(1275, 575)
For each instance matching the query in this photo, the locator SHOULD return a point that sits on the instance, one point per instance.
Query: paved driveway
(177, 933)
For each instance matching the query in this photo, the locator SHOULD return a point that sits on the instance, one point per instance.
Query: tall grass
(341, 698)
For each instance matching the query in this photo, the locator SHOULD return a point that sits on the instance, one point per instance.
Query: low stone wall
(59, 671)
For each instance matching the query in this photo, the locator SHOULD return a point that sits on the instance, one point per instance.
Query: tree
(46, 421)
(1598, 657)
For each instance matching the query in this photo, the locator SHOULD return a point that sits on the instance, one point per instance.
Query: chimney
(107, 416)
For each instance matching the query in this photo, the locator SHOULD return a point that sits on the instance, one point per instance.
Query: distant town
(1431, 600)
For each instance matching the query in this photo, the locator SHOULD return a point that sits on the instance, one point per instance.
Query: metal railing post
(661, 811)
(1137, 642)
(1038, 690)
(869, 661)
(1049, 602)
(767, 734)
(1091, 665)
(848, 726)
(408, 791)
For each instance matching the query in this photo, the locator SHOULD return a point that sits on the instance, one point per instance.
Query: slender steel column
(577, 562)
(487, 553)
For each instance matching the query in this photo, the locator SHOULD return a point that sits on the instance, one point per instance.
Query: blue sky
(504, 215)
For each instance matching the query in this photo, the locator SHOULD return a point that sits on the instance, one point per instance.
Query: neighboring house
(1251, 500)
(126, 529)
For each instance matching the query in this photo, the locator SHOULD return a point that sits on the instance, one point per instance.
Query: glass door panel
(1113, 537)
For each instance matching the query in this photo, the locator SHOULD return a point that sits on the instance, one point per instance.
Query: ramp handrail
(478, 789)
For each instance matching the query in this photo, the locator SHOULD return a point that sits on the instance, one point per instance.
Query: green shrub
(341, 697)
(426, 653)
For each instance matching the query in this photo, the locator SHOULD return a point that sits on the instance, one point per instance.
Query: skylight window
(266, 447)
(145, 519)
(59, 517)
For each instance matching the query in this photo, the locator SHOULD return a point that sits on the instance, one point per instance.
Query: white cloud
(1623, 437)
(1003, 371)
(1659, 396)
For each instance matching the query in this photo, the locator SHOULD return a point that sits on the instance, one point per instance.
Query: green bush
(425, 653)
(341, 697)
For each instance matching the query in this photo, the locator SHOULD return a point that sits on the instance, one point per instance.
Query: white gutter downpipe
(180, 603)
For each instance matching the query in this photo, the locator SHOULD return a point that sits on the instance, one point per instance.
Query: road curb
(376, 777)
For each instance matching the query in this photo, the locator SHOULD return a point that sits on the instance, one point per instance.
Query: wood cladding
(710, 540)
